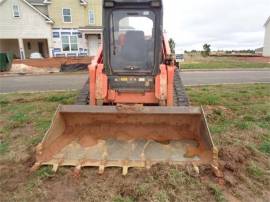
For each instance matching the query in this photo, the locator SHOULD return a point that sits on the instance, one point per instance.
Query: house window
(74, 43)
(91, 17)
(16, 11)
(70, 43)
(66, 14)
(56, 35)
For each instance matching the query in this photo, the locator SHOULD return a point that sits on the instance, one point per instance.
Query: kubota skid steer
(133, 111)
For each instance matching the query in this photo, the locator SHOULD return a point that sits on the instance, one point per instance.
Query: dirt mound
(242, 177)
(231, 158)
(54, 62)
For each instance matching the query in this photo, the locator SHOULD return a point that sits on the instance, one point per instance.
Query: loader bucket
(110, 136)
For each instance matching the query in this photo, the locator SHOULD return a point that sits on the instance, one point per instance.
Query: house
(53, 28)
(266, 49)
(77, 28)
(24, 29)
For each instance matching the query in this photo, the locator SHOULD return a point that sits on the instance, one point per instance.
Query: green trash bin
(5, 61)
(10, 57)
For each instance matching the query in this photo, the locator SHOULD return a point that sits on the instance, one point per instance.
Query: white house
(24, 29)
(266, 49)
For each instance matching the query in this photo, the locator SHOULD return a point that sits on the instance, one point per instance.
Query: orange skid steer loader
(133, 111)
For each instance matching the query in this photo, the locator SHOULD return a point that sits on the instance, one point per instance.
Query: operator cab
(132, 38)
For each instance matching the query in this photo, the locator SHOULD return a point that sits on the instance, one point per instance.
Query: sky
(224, 24)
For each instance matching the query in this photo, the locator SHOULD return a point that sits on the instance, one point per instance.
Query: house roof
(267, 21)
(34, 2)
(83, 1)
(48, 20)
(2, 1)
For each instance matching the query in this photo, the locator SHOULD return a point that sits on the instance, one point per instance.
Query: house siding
(96, 6)
(17, 33)
(29, 25)
(79, 18)
(266, 49)
(79, 13)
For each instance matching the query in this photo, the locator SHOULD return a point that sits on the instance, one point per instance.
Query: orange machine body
(161, 94)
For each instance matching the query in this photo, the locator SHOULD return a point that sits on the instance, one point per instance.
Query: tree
(172, 45)
(206, 50)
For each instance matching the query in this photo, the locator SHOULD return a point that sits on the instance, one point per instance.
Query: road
(75, 81)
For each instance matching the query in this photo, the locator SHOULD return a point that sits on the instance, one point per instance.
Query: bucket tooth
(148, 165)
(101, 169)
(77, 170)
(125, 170)
(196, 168)
(55, 167)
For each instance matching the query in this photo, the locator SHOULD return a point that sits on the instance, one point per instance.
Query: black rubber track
(83, 97)
(180, 96)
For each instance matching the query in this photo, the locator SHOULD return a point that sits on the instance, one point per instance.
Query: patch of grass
(217, 192)
(162, 196)
(212, 100)
(19, 117)
(32, 184)
(3, 148)
(42, 125)
(44, 172)
(243, 125)
(35, 140)
(265, 147)
(3, 103)
(62, 99)
(255, 171)
(218, 128)
(220, 63)
(122, 199)
(55, 98)
(249, 118)
(207, 99)
(177, 177)
(142, 189)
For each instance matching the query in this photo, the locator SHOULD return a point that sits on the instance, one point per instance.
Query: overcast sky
(225, 24)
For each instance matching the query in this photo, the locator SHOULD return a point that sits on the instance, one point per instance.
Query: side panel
(101, 83)
(161, 84)
(92, 84)
(170, 71)
(92, 76)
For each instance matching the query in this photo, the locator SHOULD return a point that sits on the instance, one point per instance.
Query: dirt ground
(239, 119)
(54, 62)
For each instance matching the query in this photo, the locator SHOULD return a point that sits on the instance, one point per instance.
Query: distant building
(266, 49)
(259, 51)
(179, 57)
